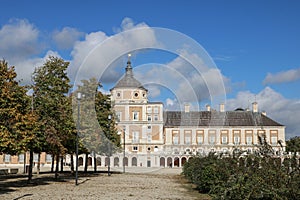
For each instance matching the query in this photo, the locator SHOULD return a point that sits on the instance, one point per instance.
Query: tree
(98, 134)
(293, 144)
(19, 130)
(53, 106)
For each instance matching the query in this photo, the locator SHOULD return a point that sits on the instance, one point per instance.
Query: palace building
(153, 137)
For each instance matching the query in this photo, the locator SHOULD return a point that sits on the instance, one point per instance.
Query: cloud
(66, 38)
(100, 48)
(282, 77)
(187, 82)
(26, 67)
(19, 39)
(280, 109)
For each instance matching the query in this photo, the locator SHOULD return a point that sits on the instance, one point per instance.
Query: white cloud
(169, 102)
(187, 82)
(26, 67)
(172, 104)
(66, 38)
(283, 76)
(100, 48)
(278, 108)
(83, 48)
(18, 40)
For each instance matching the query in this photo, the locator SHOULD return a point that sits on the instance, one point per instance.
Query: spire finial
(128, 67)
(129, 55)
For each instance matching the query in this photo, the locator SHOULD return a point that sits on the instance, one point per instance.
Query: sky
(254, 48)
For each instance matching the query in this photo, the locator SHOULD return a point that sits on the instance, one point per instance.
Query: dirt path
(157, 185)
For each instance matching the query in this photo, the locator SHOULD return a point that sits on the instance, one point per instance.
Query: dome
(128, 80)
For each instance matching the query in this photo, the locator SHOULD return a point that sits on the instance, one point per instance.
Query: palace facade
(153, 137)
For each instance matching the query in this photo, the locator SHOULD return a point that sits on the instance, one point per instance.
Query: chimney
(264, 113)
(207, 107)
(222, 107)
(186, 108)
(254, 107)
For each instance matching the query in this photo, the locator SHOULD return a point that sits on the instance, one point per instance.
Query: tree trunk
(62, 163)
(38, 164)
(25, 162)
(72, 164)
(56, 166)
(30, 166)
(86, 162)
(95, 161)
(52, 164)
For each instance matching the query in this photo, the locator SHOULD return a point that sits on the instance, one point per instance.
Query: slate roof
(215, 118)
(128, 80)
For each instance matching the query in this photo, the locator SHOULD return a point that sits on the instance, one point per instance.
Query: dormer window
(136, 94)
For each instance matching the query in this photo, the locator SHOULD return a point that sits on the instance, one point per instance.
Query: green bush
(251, 177)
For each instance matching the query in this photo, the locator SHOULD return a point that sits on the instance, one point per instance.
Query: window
(155, 117)
(118, 115)
(149, 118)
(175, 140)
(149, 129)
(48, 158)
(236, 139)
(149, 149)
(155, 109)
(35, 157)
(212, 139)
(7, 158)
(135, 148)
(149, 138)
(135, 137)
(136, 94)
(118, 94)
(187, 140)
(149, 109)
(21, 157)
(211, 136)
(224, 139)
(249, 139)
(200, 139)
(274, 139)
(135, 115)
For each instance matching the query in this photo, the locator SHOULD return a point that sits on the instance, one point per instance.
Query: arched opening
(106, 161)
(125, 161)
(116, 162)
(162, 162)
(169, 161)
(98, 161)
(183, 160)
(80, 161)
(90, 161)
(134, 161)
(176, 162)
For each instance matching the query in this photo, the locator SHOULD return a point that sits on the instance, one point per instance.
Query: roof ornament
(128, 67)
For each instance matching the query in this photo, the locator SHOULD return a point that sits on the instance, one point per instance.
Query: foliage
(18, 125)
(97, 133)
(53, 106)
(293, 144)
(249, 177)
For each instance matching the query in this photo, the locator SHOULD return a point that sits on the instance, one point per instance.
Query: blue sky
(255, 44)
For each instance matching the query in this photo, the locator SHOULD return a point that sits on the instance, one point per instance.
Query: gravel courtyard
(158, 184)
